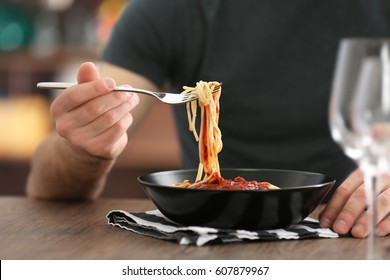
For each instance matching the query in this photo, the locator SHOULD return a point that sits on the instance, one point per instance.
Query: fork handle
(65, 85)
(54, 85)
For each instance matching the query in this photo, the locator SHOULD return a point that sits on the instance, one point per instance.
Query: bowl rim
(330, 180)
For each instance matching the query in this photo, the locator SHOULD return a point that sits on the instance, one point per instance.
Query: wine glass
(359, 112)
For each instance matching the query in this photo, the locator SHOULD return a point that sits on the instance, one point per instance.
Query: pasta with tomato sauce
(209, 141)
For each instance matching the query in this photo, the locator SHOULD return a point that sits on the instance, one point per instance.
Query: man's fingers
(353, 216)
(79, 94)
(383, 227)
(101, 124)
(350, 213)
(87, 72)
(384, 212)
(110, 142)
(93, 109)
(328, 216)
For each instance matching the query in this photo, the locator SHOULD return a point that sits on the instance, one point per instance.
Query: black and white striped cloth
(153, 223)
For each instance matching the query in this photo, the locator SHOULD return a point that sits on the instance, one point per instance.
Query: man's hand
(346, 210)
(92, 117)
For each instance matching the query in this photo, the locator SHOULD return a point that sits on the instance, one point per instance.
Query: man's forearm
(58, 171)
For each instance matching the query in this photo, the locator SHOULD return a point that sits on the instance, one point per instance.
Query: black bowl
(299, 194)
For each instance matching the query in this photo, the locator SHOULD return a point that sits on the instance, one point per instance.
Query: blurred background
(46, 40)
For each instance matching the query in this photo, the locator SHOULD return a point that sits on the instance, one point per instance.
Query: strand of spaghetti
(199, 173)
(191, 111)
(207, 180)
(194, 107)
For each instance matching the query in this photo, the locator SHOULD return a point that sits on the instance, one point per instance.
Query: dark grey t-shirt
(275, 59)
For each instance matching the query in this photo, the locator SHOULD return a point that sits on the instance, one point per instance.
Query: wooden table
(31, 229)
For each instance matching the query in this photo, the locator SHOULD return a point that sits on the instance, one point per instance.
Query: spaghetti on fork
(210, 140)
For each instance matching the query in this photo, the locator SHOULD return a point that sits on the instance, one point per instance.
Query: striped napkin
(153, 223)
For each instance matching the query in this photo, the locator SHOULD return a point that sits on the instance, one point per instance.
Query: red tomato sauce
(238, 183)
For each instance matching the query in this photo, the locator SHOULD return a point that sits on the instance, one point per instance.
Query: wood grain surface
(32, 229)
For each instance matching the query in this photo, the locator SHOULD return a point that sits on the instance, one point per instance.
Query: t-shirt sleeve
(141, 39)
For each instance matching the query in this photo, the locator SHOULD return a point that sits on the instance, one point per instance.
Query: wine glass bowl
(350, 56)
(371, 114)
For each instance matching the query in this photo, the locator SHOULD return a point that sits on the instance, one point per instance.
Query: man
(275, 60)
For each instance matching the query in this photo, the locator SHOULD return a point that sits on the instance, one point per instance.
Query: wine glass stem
(371, 180)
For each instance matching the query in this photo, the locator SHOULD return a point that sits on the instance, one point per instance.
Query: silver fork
(165, 97)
